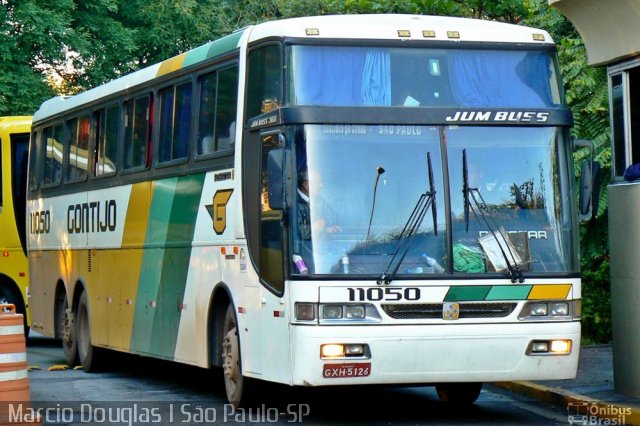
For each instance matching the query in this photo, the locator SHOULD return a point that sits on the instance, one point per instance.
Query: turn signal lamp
(305, 311)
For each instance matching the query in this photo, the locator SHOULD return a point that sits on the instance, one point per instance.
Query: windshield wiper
(426, 200)
(470, 194)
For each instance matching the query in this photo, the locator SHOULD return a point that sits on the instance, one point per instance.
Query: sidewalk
(588, 397)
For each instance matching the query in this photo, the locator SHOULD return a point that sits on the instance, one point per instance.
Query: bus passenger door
(274, 320)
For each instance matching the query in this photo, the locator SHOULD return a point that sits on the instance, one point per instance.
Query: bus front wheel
(459, 393)
(236, 385)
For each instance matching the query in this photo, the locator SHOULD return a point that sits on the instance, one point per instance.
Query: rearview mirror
(589, 182)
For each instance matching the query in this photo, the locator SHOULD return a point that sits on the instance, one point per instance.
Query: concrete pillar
(624, 246)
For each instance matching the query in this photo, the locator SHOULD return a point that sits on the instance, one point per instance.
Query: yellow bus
(14, 147)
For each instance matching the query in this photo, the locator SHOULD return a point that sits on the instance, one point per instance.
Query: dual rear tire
(76, 336)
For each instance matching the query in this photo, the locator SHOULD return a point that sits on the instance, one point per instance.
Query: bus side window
(77, 153)
(34, 150)
(137, 127)
(175, 122)
(207, 114)
(52, 141)
(107, 123)
(218, 101)
(264, 92)
(226, 101)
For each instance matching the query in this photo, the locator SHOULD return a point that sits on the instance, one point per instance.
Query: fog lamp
(561, 346)
(332, 351)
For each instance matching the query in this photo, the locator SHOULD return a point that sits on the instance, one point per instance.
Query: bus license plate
(343, 371)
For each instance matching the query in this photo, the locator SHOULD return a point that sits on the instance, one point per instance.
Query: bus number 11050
(388, 294)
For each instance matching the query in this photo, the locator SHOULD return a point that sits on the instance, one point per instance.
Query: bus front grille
(434, 310)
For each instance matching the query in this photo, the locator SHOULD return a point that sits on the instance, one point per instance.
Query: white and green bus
(332, 200)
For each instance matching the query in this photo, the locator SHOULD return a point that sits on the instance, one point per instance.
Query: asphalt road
(136, 390)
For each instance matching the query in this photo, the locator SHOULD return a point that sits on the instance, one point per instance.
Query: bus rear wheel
(459, 393)
(236, 385)
(68, 334)
(87, 353)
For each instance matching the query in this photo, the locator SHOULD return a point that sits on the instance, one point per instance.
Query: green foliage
(586, 92)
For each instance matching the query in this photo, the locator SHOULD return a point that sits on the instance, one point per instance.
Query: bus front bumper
(407, 354)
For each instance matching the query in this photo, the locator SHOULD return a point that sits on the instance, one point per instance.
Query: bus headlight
(355, 312)
(538, 309)
(332, 312)
(559, 309)
(335, 313)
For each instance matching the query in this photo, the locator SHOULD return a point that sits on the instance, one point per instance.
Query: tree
(32, 32)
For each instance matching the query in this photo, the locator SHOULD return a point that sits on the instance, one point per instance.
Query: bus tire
(459, 393)
(236, 385)
(68, 334)
(88, 355)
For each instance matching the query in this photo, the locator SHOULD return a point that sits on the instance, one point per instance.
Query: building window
(625, 118)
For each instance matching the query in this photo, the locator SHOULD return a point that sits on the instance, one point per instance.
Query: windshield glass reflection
(514, 176)
(340, 169)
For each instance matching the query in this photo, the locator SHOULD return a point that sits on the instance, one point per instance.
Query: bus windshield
(358, 185)
(412, 77)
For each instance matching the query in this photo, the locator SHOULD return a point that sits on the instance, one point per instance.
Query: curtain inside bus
(343, 76)
(455, 78)
(508, 79)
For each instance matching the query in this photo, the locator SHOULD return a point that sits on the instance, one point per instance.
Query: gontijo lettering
(92, 217)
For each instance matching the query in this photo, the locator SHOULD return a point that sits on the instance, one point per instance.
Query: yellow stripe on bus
(135, 227)
(170, 65)
(553, 291)
(125, 265)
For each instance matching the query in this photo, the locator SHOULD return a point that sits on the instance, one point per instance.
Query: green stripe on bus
(509, 292)
(163, 192)
(467, 293)
(213, 49)
(225, 44)
(175, 268)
